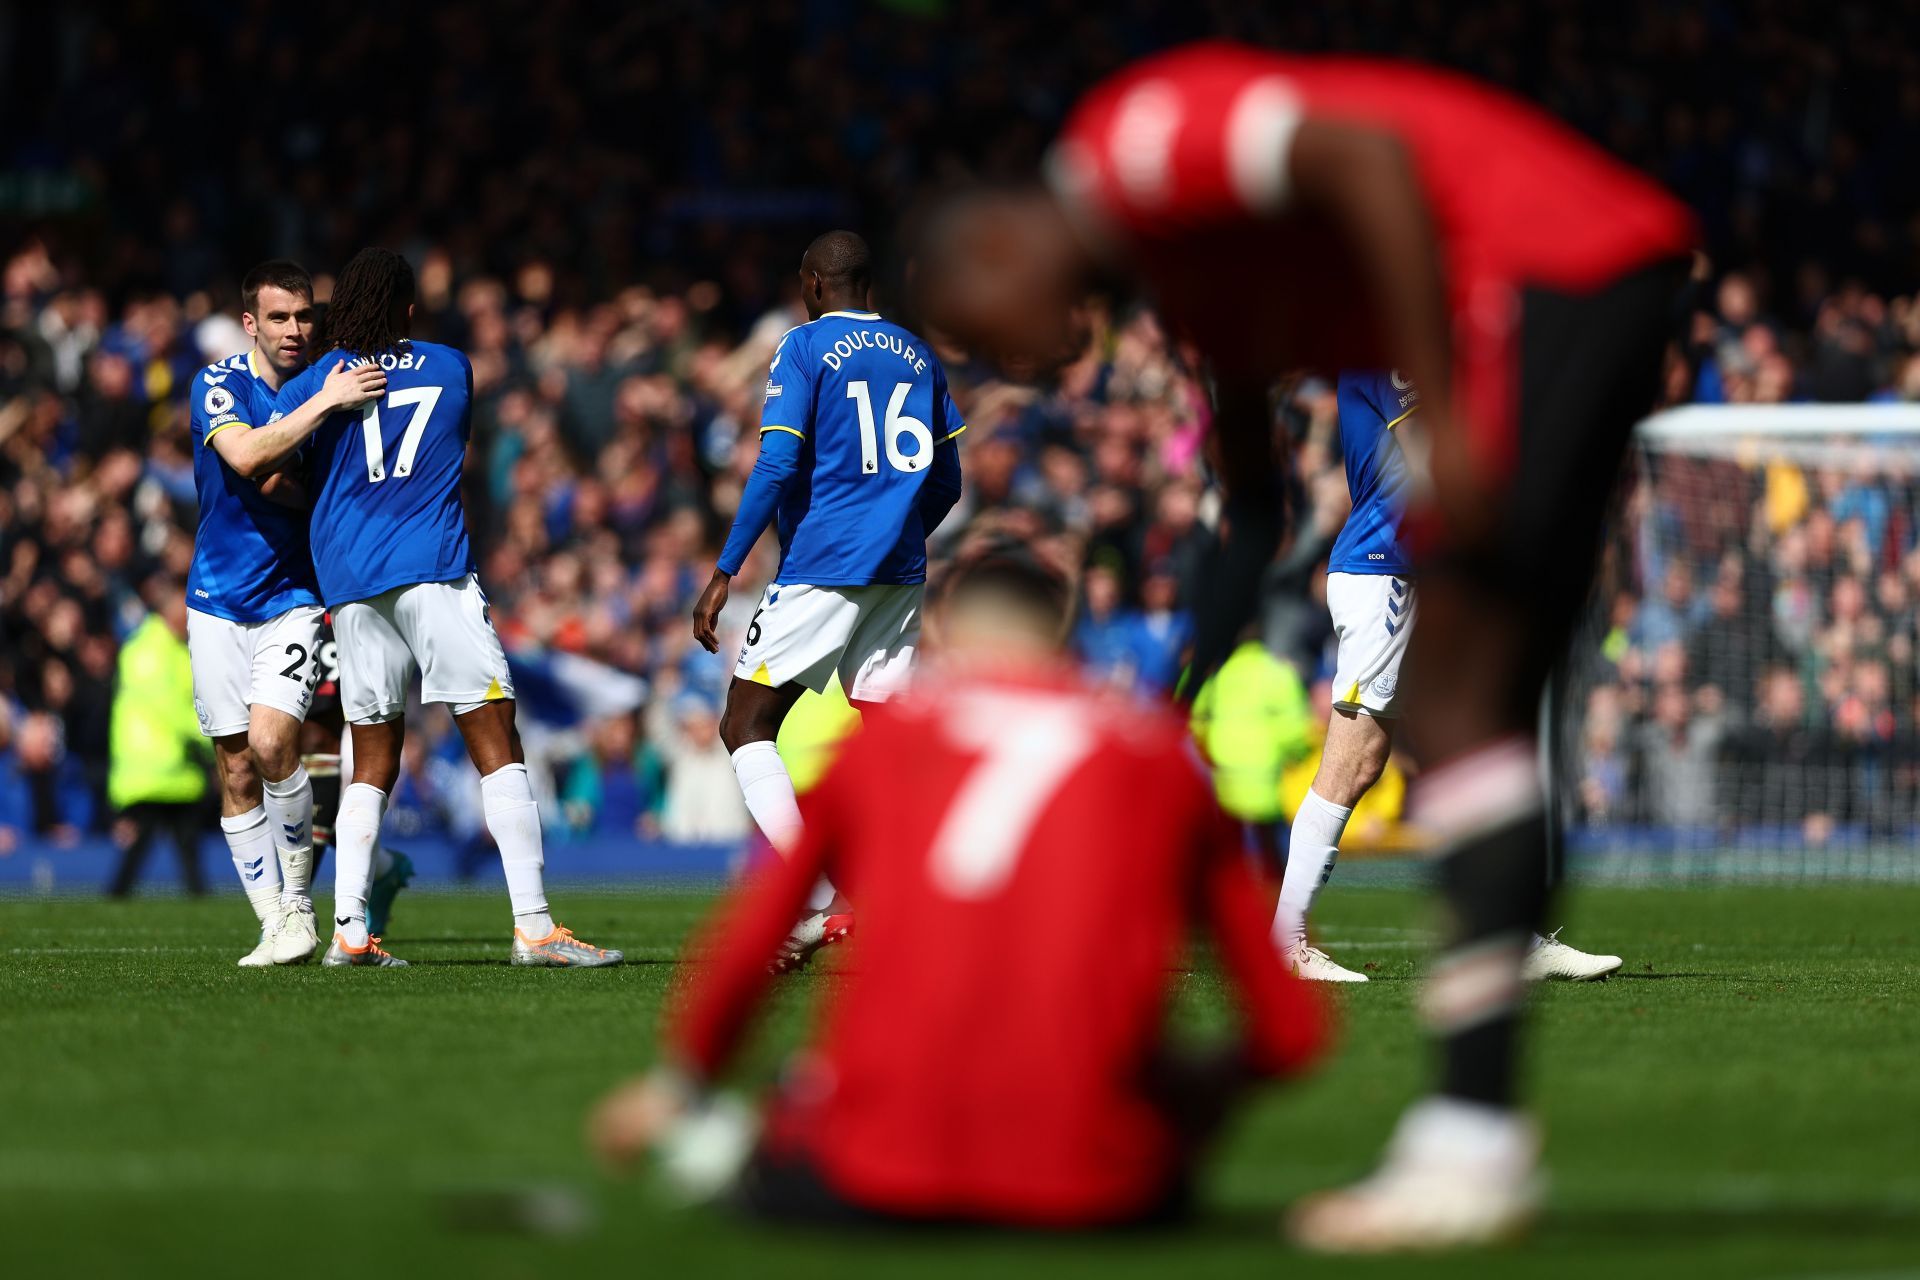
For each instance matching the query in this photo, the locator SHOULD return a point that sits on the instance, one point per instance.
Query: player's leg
(749, 726)
(1351, 761)
(284, 671)
(221, 655)
(797, 638)
(463, 665)
(1496, 611)
(376, 666)
(392, 870)
(1373, 621)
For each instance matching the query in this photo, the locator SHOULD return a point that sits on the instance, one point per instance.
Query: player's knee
(277, 751)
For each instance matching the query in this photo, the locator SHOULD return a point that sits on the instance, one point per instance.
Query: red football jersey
(1180, 164)
(1026, 859)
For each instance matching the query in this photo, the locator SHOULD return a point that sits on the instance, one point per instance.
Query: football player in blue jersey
(254, 618)
(1371, 595)
(394, 565)
(857, 466)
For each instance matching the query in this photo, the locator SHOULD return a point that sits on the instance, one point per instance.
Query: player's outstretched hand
(351, 388)
(706, 612)
(634, 1117)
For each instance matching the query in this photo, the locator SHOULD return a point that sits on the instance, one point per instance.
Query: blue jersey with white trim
(386, 510)
(1372, 404)
(250, 556)
(869, 402)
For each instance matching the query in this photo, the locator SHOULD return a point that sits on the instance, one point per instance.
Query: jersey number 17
(370, 431)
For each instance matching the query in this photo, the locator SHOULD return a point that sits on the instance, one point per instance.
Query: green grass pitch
(1743, 1100)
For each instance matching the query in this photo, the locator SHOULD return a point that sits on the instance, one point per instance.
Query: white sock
(289, 804)
(354, 832)
(514, 819)
(252, 844)
(1311, 851)
(768, 790)
(382, 860)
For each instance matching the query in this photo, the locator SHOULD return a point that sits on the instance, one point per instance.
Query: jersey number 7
(1029, 748)
(426, 398)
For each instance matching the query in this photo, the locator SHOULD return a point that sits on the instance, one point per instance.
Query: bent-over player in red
(1339, 213)
(997, 1052)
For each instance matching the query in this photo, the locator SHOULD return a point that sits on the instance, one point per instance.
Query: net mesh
(1741, 699)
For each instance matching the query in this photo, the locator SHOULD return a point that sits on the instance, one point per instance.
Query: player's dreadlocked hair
(368, 313)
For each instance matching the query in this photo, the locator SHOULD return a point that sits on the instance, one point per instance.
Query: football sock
(769, 794)
(289, 804)
(354, 832)
(1488, 809)
(1311, 851)
(513, 818)
(382, 860)
(251, 843)
(768, 790)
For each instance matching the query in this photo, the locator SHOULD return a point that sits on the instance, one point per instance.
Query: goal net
(1742, 698)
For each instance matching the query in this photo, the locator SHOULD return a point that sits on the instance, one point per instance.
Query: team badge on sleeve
(219, 400)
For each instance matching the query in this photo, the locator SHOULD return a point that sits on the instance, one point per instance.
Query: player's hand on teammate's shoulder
(350, 388)
(706, 612)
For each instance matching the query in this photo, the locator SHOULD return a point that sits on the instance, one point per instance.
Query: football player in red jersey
(997, 1052)
(1341, 212)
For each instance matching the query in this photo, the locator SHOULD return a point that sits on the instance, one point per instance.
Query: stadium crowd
(620, 303)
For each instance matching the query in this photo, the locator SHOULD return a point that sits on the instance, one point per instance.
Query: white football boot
(261, 957)
(297, 937)
(1315, 965)
(814, 931)
(1457, 1175)
(1549, 957)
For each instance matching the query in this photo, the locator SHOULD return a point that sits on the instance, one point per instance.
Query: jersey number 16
(898, 425)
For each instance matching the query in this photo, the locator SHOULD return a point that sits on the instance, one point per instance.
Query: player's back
(387, 511)
(1374, 403)
(1026, 856)
(869, 401)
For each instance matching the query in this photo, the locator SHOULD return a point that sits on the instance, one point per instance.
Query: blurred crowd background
(605, 204)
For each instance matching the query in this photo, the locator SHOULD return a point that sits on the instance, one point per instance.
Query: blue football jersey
(1372, 404)
(386, 509)
(869, 402)
(250, 557)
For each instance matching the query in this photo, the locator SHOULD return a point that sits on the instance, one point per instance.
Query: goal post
(1742, 696)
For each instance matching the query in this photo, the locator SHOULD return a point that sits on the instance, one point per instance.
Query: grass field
(1743, 1100)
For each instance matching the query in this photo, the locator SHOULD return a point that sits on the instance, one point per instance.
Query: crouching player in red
(1332, 212)
(997, 1052)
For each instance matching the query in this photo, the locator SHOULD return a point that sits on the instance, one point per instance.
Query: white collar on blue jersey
(253, 362)
(851, 315)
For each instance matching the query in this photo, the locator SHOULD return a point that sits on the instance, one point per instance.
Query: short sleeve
(789, 402)
(215, 403)
(1195, 138)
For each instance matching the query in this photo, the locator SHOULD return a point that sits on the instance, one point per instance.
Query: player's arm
(785, 420)
(1362, 179)
(940, 491)
(703, 1029)
(258, 452)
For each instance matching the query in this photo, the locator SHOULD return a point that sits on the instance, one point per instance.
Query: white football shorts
(1372, 618)
(441, 629)
(238, 665)
(806, 634)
